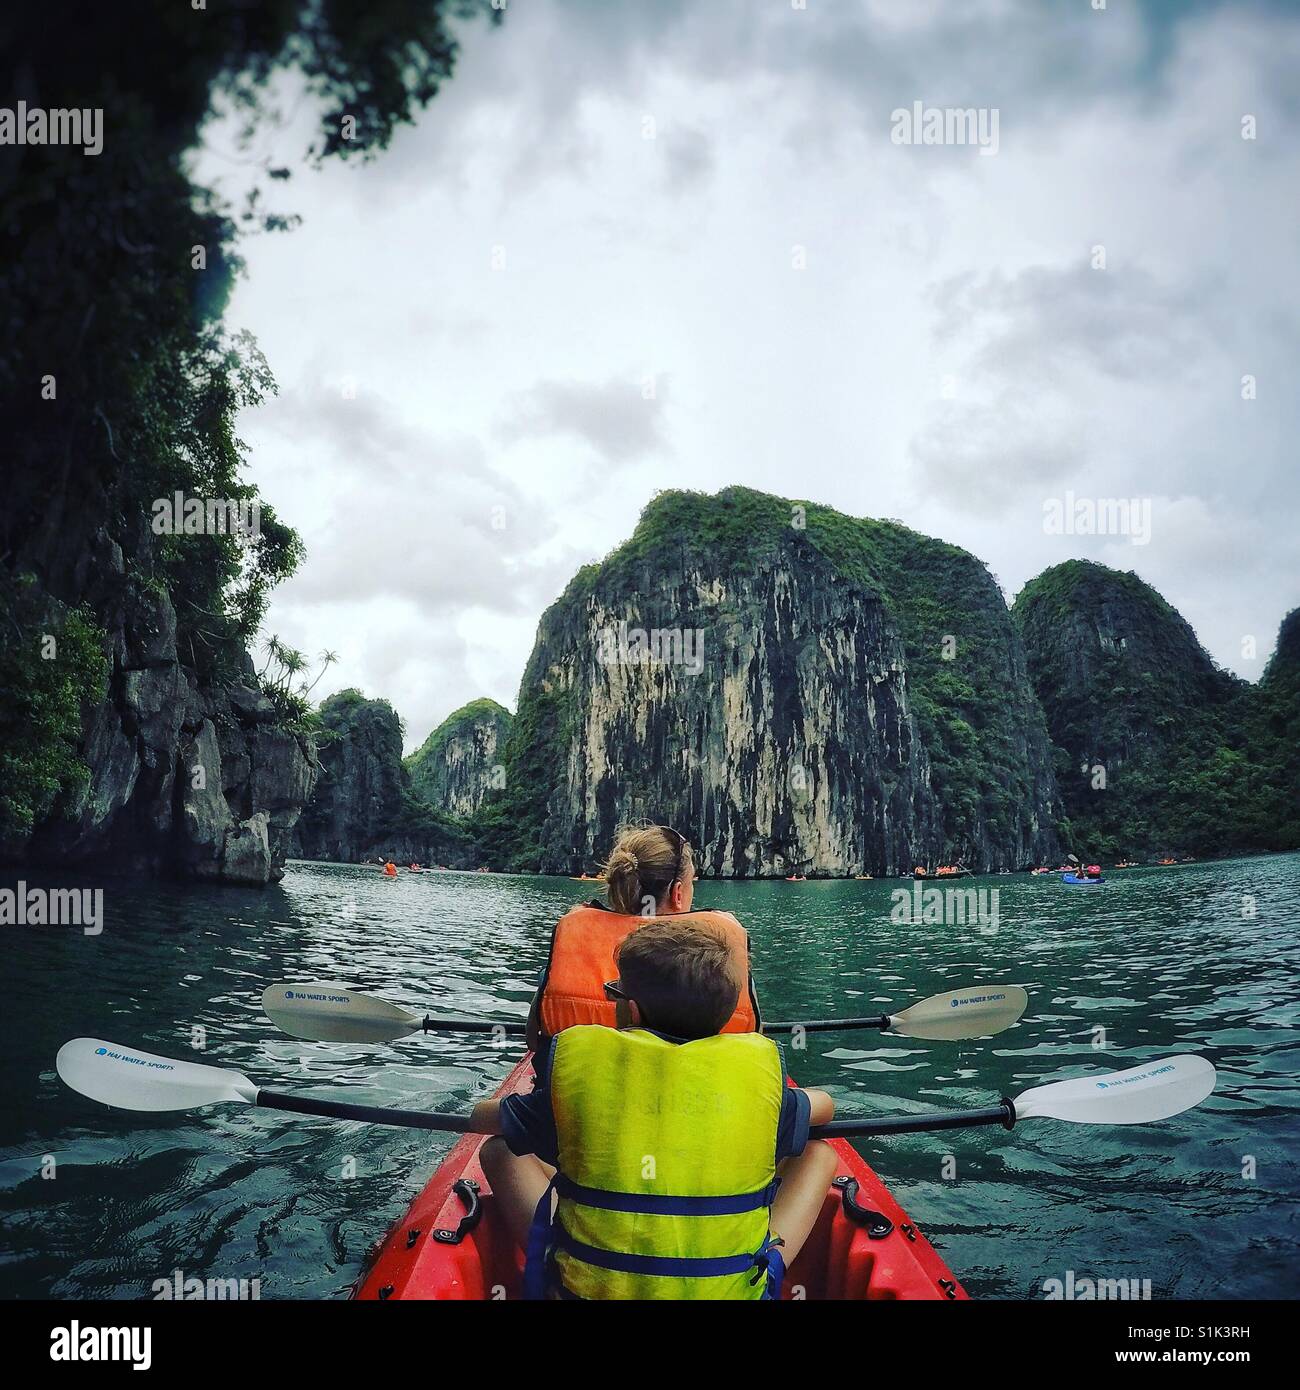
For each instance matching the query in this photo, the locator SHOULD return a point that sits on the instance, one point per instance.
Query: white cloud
(621, 420)
(502, 280)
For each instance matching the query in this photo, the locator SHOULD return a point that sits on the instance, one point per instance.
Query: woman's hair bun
(643, 864)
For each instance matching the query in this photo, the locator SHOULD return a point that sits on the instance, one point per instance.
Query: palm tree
(291, 662)
(271, 646)
(327, 659)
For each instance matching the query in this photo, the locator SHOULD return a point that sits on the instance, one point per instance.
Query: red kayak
(449, 1246)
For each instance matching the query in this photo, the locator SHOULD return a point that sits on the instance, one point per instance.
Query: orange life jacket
(582, 960)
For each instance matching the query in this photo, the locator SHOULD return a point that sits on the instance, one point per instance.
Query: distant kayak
(1080, 878)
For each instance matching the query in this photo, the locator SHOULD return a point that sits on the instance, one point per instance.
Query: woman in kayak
(650, 874)
(662, 1158)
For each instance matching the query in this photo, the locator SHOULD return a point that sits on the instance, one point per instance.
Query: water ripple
(1156, 961)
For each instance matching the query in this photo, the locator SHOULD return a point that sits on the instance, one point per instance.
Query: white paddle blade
(133, 1080)
(335, 1013)
(1138, 1096)
(978, 1012)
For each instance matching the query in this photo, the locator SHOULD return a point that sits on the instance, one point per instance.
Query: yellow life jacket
(667, 1166)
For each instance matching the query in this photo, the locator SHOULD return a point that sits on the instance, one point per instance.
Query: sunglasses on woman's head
(679, 856)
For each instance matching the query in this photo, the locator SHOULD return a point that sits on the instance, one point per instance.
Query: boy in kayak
(663, 1159)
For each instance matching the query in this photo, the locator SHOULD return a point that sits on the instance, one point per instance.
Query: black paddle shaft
(1004, 1114)
(828, 1025)
(514, 1028)
(371, 1114)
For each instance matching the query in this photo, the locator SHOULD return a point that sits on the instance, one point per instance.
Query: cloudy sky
(640, 246)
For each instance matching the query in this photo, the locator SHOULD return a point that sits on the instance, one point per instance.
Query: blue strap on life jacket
(772, 1262)
(651, 1204)
(538, 1253)
(667, 1266)
(546, 1235)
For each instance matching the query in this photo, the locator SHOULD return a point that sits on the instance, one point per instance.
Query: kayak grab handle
(467, 1190)
(1004, 1114)
(878, 1225)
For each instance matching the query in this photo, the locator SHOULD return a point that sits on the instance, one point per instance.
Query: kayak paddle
(133, 1080)
(1141, 1095)
(978, 1011)
(334, 1013)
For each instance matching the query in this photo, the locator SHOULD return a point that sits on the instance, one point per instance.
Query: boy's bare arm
(821, 1107)
(485, 1118)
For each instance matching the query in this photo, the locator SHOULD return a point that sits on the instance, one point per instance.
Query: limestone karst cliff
(793, 688)
(364, 805)
(177, 773)
(1160, 752)
(462, 759)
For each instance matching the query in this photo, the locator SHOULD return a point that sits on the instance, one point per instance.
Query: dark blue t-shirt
(528, 1122)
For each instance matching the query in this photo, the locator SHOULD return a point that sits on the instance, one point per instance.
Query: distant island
(799, 691)
(828, 695)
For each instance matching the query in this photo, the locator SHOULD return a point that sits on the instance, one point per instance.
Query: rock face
(1273, 730)
(1282, 674)
(183, 779)
(364, 806)
(463, 758)
(1114, 665)
(1161, 753)
(765, 676)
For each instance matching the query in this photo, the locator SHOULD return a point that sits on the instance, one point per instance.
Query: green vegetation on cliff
(120, 382)
(508, 823)
(364, 801)
(1194, 760)
(480, 721)
(55, 668)
(1273, 737)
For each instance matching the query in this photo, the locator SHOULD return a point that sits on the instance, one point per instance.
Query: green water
(1163, 959)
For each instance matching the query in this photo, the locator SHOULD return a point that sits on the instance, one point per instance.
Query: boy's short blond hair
(682, 975)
